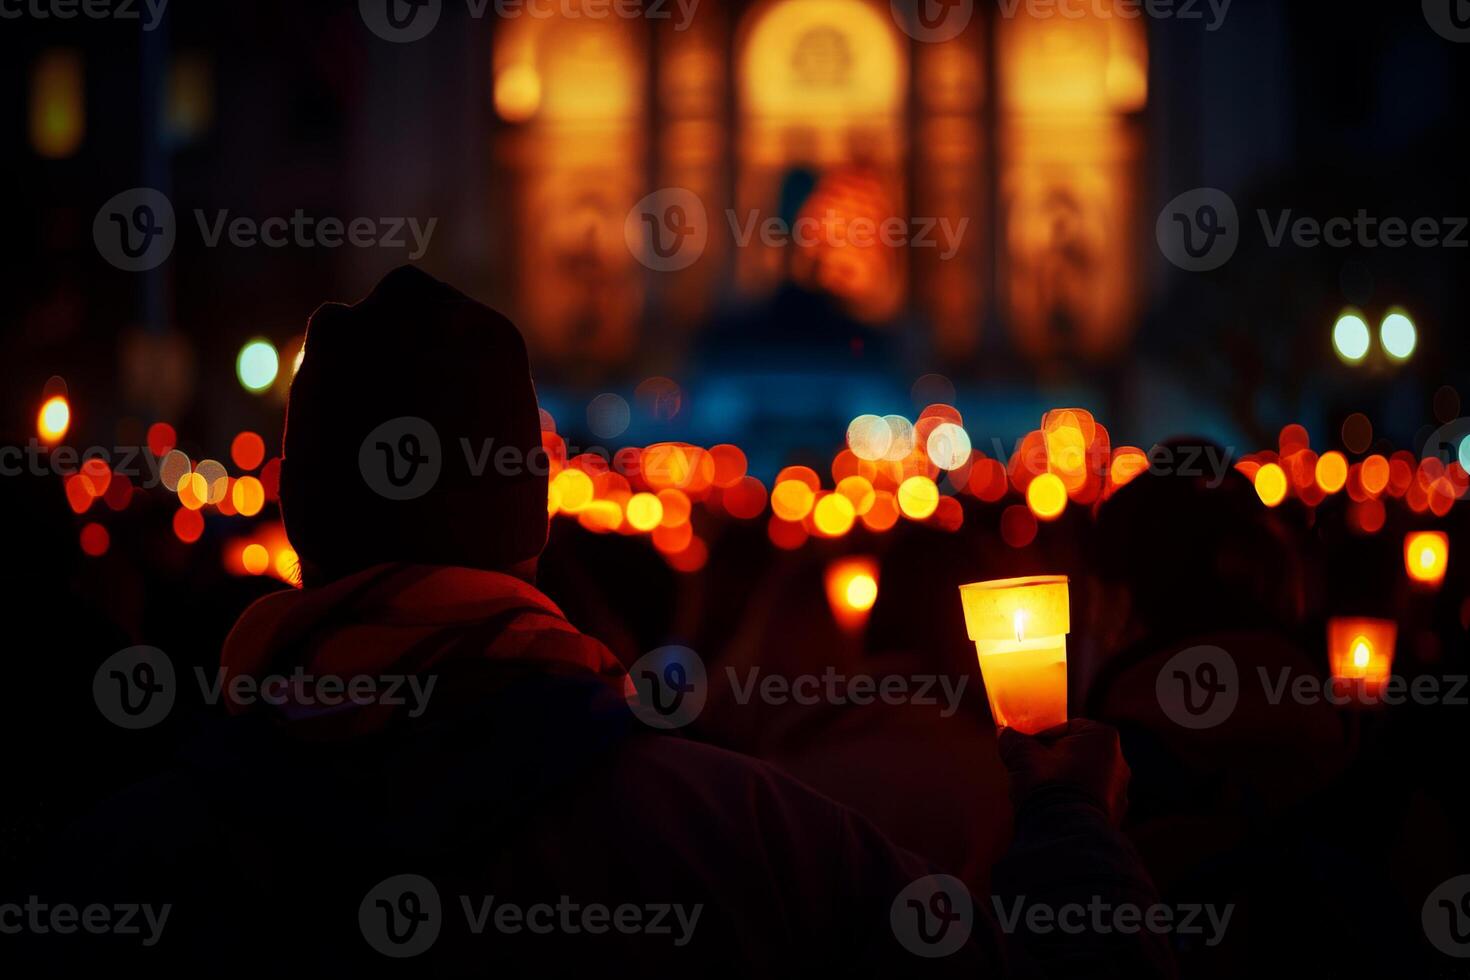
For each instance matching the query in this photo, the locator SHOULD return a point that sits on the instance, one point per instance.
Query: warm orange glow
(1067, 434)
(670, 539)
(825, 63)
(644, 511)
(786, 535)
(859, 491)
(852, 588)
(255, 559)
(1332, 472)
(1271, 484)
(690, 559)
(833, 515)
(601, 516)
(1426, 556)
(792, 500)
(730, 465)
(918, 498)
(248, 496)
(77, 493)
(193, 491)
(1019, 628)
(746, 499)
(517, 93)
(883, 514)
(1375, 474)
(247, 451)
(58, 104)
(54, 419)
(1047, 496)
(677, 507)
(1361, 650)
(574, 490)
(188, 525)
(161, 439)
(287, 566)
(95, 476)
(1128, 463)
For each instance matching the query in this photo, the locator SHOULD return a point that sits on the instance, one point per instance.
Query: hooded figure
(429, 763)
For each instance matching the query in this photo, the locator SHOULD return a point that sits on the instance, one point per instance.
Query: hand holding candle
(1020, 628)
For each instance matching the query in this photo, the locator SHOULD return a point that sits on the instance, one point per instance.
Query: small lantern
(1019, 627)
(1361, 651)
(1426, 554)
(852, 588)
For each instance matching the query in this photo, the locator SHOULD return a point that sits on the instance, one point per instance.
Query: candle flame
(1020, 625)
(1362, 653)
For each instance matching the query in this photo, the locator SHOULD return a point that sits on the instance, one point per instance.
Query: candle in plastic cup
(1019, 627)
(1361, 651)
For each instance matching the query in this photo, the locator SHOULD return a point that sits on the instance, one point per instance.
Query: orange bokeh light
(1426, 556)
(1271, 484)
(1047, 496)
(852, 589)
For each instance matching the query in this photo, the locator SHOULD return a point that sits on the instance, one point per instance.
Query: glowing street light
(54, 419)
(257, 365)
(1398, 336)
(1351, 338)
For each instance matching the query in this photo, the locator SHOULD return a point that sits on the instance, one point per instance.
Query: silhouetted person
(522, 791)
(1198, 601)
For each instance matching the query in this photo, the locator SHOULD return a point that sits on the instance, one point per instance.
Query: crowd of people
(779, 835)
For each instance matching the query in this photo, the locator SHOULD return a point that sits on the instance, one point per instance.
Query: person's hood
(387, 624)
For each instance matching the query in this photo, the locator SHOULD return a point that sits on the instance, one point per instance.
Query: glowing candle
(1426, 553)
(852, 588)
(1361, 650)
(1019, 627)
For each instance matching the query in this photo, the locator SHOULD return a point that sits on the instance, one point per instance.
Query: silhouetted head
(1187, 548)
(413, 434)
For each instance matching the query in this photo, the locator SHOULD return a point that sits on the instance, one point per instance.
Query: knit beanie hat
(413, 434)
